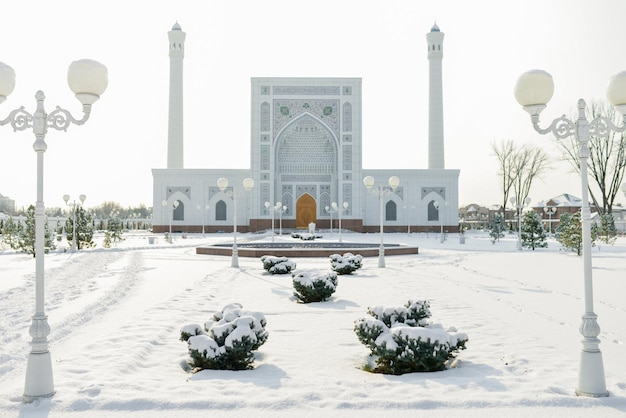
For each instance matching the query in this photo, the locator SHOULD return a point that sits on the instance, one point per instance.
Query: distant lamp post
(533, 91)
(330, 211)
(441, 210)
(340, 211)
(549, 210)
(519, 206)
(174, 206)
(394, 182)
(270, 208)
(82, 198)
(88, 80)
(206, 207)
(248, 184)
(280, 209)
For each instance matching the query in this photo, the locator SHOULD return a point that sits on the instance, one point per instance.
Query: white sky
(487, 45)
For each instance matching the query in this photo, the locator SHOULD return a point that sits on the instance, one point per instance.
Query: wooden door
(305, 211)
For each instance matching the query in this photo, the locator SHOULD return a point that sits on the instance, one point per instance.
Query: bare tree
(606, 162)
(504, 152)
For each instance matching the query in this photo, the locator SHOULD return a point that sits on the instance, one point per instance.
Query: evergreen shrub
(345, 264)
(314, 286)
(402, 340)
(277, 265)
(227, 341)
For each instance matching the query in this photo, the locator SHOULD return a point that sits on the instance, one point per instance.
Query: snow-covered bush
(227, 341)
(277, 265)
(345, 264)
(314, 286)
(305, 236)
(402, 340)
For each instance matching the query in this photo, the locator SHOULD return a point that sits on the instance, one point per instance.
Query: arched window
(391, 211)
(433, 212)
(179, 212)
(220, 211)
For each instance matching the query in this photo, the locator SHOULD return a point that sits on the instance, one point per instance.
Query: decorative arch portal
(305, 211)
(433, 212)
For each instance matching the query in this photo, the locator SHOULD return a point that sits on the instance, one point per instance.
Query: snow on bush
(227, 341)
(402, 340)
(345, 264)
(314, 286)
(277, 265)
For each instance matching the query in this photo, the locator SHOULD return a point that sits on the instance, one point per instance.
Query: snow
(116, 316)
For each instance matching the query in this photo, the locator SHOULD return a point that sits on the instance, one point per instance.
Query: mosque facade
(306, 163)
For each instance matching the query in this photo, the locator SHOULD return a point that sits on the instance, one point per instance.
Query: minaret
(175, 123)
(435, 99)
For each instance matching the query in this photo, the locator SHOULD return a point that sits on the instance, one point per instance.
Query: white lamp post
(394, 182)
(248, 184)
(174, 206)
(533, 91)
(549, 210)
(270, 208)
(438, 207)
(280, 209)
(340, 211)
(82, 198)
(88, 80)
(330, 211)
(206, 207)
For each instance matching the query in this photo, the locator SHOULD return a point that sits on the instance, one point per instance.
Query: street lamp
(533, 91)
(340, 210)
(549, 210)
(394, 182)
(88, 80)
(519, 206)
(248, 184)
(280, 209)
(330, 211)
(437, 206)
(174, 206)
(82, 198)
(206, 207)
(269, 207)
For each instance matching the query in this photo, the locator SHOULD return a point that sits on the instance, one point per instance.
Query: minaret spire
(175, 122)
(435, 99)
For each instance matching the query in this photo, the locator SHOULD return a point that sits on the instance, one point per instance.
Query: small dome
(176, 26)
(435, 28)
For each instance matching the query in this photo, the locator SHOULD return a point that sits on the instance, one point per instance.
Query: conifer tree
(28, 234)
(605, 230)
(84, 228)
(533, 232)
(496, 228)
(570, 232)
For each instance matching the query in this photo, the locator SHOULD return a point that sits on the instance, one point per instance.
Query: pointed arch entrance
(305, 211)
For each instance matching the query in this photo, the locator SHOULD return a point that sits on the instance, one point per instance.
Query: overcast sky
(487, 45)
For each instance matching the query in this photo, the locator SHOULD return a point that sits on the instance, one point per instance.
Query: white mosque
(306, 146)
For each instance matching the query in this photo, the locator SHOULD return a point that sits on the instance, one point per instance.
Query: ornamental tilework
(347, 197)
(441, 191)
(347, 157)
(347, 90)
(265, 90)
(185, 190)
(347, 138)
(302, 189)
(306, 90)
(326, 111)
(303, 178)
(265, 117)
(265, 157)
(347, 117)
(265, 197)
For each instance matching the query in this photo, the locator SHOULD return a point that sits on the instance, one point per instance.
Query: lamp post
(394, 182)
(549, 210)
(88, 80)
(206, 207)
(519, 206)
(270, 208)
(82, 198)
(174, 206)
(533, 91)
(438, 206)
(340, 211)
(280, 209)
(330, 210)
(248, 184)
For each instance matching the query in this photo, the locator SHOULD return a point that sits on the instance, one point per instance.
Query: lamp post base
(39, 380)
(591, 375)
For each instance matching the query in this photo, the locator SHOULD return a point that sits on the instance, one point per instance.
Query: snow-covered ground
(115, 317)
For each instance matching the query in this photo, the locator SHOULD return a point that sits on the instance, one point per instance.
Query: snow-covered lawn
(115, 317)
